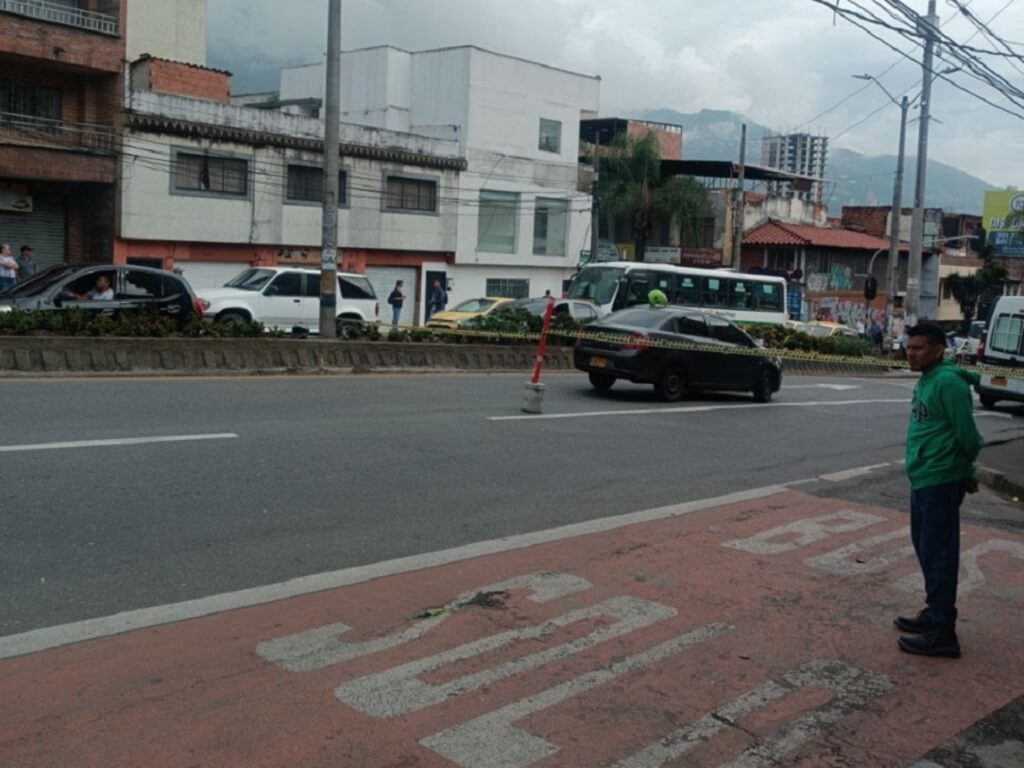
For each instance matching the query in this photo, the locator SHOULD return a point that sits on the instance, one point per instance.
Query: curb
(999, 482)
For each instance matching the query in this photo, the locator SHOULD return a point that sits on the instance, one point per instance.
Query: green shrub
(780, 337)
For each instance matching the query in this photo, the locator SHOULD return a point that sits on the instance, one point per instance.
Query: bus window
(688, 292)
(768, 297)
(716, 292)
(638, 290)
(740, 294)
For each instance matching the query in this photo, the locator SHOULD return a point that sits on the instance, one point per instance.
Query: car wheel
(602, 382)
(672, 385)
(348, 327)
(987, 401)
(231, 318)
(763, 387)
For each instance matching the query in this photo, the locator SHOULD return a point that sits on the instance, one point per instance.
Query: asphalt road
(306, 475)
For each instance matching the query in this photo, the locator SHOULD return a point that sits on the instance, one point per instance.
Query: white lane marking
(115, 442)
(52, 637)
(849, 474)
(834, 387)
(803, 533)
(992, 414)
(847, 561)
(494, 741)
(694, 409)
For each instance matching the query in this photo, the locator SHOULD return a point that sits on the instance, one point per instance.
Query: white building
(800, 153)
(522, 220)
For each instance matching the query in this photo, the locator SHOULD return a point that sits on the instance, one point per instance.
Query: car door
(141, 290)
(702, 366)
(282, 301)
(735, 370)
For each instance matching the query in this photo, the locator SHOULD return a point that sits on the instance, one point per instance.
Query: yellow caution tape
(621, 339)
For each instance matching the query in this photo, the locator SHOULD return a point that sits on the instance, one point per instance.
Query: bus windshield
(596, 284)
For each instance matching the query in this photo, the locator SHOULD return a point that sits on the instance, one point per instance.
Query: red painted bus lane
(742, 635)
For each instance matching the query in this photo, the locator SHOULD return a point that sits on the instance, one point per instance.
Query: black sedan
(105, 288)
(627, 350)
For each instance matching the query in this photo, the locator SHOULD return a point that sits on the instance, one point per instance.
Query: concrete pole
(892, 283)
(595, 205)
(913, 302)
(737, 211)
(332, 166)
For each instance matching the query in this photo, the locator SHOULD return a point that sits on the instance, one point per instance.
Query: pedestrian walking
(26, 264)
(438, 299)
(942, 444)
(396, 299)
(8, 267)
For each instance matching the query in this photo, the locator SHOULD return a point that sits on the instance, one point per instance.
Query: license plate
(598, 362)
(999, 381)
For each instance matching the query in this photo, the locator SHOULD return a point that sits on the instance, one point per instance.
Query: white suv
(286, 297)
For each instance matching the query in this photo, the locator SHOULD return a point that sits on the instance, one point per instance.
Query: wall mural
(833, 310)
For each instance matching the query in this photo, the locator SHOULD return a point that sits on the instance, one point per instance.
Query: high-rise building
(799, 153)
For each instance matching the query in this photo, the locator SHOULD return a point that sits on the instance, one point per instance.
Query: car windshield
(251, 280)
(475, 305)
(598, 284)
(37, 284)
(976, 331)
(641, 318)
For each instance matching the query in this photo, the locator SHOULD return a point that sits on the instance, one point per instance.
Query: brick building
(60, 78)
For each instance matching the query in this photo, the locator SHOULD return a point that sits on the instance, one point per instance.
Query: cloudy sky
(780, 62)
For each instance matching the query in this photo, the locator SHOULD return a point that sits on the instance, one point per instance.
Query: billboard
(1004, 223)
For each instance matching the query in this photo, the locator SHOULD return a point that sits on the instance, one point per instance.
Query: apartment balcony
(35, 148)
(31, 131)
(69, 14)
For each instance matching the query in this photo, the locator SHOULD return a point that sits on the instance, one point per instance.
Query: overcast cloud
(780, 62)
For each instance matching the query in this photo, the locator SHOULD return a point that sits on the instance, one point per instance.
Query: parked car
(467, 310)
(287, 297)
(673, 372)
(131, 289)
(578, 310)
(966, 347)
(824, 330)
(1003, 347)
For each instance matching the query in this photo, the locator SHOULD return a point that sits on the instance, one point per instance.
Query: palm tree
(632, 185)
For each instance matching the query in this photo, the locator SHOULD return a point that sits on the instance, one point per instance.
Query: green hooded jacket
(942, 440)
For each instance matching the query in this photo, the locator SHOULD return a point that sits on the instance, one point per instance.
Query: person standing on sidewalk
(942, 444)
(26, 264)
(396, 299)
(8, 267)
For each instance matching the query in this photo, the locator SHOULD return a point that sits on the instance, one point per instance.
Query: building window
(550, 218)
(504, 288)
(19, 101)
(405, 194)
(497, 225)
(216, 175)
(306, 185)
(550, 136)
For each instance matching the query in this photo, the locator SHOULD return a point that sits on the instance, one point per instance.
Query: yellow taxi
(822, 329)
(467, 310)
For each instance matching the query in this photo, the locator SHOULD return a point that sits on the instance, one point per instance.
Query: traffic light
(870, 288)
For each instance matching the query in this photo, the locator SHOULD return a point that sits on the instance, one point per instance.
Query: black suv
(627, 349)
(131, 289)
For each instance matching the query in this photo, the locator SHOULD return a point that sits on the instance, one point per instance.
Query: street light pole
(332, 168)
(913, 301)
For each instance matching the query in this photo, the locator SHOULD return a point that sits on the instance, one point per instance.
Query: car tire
(763, 387)
(672, 385)
(347, 327)
(232, 317)
(602, 382)
(987, 402)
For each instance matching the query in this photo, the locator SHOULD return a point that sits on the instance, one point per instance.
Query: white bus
(743, 298)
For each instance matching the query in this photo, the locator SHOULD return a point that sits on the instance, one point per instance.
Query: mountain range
(853, 178)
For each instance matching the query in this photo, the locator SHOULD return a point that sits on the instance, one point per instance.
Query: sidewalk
(754, 630)
(1001, 467)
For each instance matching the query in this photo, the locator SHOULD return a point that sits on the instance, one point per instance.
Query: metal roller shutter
(383, 281)
(43, 229)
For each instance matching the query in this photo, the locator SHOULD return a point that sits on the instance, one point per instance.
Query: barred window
(404, 194)
(220, 175)
(306, 185)
(507, 288)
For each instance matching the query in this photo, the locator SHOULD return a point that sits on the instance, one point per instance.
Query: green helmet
(657, 298)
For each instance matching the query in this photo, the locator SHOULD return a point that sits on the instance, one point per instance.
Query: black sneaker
(914, 626)
(934, 642)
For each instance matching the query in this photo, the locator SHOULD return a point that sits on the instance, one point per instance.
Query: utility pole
(595, 205)
(738, 204)
(332, 167)
(913, 301)
(892, 282)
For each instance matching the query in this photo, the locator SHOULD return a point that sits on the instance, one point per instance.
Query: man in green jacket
(942, 444)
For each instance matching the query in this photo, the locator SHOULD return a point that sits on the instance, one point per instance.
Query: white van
(1003, 347)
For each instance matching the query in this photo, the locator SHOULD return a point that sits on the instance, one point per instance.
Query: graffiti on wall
(841, 278)
(833, 310)
(817, 282)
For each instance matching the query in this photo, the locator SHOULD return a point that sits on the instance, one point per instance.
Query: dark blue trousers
(935, 532)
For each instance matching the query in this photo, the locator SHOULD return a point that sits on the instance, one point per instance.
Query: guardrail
(41, 131)
(59, 13)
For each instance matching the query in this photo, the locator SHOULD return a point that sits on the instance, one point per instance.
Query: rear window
(1006, 336)
(356, 288)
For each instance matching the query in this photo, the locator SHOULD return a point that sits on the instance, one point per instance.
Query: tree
(632, 186)
(981, 287)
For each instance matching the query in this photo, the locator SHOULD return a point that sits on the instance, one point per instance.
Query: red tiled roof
(777, 233)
